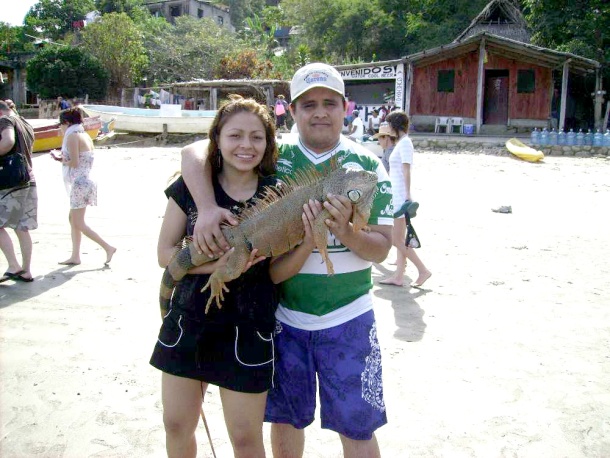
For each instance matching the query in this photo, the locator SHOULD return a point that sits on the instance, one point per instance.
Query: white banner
(374, 72)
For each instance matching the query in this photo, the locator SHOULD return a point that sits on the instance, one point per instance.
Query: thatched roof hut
(500, 17)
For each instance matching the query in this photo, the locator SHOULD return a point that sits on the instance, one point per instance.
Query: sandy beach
(504, 353)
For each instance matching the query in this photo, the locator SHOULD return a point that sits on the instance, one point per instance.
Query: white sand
(505, 353)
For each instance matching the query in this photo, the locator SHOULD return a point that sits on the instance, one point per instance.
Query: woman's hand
(254, 259)
(55, 156)
(207, 233)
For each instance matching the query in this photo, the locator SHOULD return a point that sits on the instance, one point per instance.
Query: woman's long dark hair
(237, 104)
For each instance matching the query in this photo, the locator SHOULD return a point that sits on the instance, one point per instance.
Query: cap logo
(316, 77)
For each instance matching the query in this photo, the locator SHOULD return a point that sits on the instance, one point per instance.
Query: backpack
(279, 108)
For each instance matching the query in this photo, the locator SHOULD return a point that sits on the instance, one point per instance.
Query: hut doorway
(495, 109)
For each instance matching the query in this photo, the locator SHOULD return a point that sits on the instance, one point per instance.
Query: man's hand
(340, 209)
(310, 211)
(207, 236)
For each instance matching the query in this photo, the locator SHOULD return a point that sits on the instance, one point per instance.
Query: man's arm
(7, 141)
(197, 174)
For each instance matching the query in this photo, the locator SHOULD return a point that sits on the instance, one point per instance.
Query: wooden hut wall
(536, 105)
(427, 101)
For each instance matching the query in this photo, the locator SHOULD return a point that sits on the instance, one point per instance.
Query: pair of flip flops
(16, 276)
(408, 207)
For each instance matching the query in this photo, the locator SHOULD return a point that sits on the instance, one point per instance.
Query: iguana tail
(183, 261)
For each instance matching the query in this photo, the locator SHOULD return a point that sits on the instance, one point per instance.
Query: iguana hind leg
(320, 238)
(230, 271)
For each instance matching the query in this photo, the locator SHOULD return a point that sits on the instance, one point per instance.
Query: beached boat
(48, 135)
(169, 118)
(522, 151)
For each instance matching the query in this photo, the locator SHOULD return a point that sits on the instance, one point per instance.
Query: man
(62, 104)
(326, 323)
(18, 206)
(356, 131)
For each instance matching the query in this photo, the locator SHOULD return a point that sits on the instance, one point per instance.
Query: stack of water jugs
(545, 138)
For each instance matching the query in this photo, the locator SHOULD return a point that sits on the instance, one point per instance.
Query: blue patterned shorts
(347, 362)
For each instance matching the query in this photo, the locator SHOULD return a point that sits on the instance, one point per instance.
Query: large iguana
(273, 225)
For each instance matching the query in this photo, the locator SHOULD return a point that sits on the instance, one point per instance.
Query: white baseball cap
(316, 75)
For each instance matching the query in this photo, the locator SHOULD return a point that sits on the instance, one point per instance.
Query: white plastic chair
(459, 123)
(442, 121)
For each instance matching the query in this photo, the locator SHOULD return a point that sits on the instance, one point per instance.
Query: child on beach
(231, 347)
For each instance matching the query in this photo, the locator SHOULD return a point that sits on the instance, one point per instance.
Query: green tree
(579, 27)
(13, 40)
(53, 18)
(118, 44)
(135, 9)
(239, 10)
(66, 71)
(191, 49)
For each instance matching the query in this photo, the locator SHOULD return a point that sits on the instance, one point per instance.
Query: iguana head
(359, 186)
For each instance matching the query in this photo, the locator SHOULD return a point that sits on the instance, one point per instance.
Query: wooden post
(564, 94)
(213, 98)
(408, 88)
(480, 81)
(598, 100)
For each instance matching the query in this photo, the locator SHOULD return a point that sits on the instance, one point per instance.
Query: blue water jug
(589, 138)
(607, 138)
(535, 137)
(553, 137)
(561, 138)
(544, 137)
(571, 138)
(598, 139)
(580, 138)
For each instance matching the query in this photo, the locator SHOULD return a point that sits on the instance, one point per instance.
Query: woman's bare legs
(402, 254)
(78, 227)
(244, 414)
(398, 240)
(422, 272)
(6, 245)
(182, 399)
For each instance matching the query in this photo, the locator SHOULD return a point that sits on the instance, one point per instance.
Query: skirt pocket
(253, 348)
(171, 331)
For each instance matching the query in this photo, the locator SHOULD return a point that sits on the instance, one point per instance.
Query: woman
(401, 161)
(77, 159)
(374, 121)
(387, 141)
(231, 347)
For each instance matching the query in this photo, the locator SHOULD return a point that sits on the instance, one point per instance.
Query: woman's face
(242, 141)
(384, 141)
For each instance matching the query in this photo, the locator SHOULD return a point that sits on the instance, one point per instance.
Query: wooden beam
(564, 94)
(408, 88)
(480, 81)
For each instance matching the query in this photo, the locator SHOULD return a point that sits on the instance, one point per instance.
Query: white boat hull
(141, 120)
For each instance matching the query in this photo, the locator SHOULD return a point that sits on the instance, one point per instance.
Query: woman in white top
(401, 161)
(374, 121)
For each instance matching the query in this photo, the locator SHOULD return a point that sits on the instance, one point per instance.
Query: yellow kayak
(522, 151)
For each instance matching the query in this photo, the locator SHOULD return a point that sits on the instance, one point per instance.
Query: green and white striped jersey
(311, 299)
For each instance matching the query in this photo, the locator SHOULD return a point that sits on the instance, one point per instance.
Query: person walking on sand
(326, 335)
(231, 347)
(404, 237)
(18, 205)
(77, 159)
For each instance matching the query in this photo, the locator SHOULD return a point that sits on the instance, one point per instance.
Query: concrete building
(170, 9)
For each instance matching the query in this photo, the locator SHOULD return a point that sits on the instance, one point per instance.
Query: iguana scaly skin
(274, 226)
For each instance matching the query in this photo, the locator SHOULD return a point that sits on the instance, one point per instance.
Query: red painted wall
(425, 100)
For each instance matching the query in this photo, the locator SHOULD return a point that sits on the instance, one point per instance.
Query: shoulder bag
(13, 171)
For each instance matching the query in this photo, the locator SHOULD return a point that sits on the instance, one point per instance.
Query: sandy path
(505, 353)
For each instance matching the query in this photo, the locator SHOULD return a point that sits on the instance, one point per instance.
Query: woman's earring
(219, 160)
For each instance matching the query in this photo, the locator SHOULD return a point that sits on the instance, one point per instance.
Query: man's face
(319, 115)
